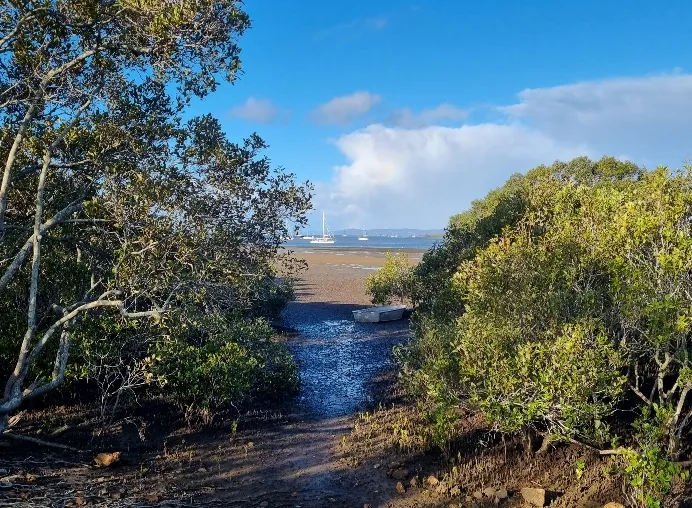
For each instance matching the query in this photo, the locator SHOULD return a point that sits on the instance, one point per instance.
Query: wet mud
(338, 357)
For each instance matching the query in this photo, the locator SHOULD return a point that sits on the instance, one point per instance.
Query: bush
(649, 472)
(392, 281)
(218, 360)
(566, 310)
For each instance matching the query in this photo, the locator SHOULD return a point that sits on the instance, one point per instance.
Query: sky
(401, 113)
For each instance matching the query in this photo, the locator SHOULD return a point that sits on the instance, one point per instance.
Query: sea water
(374, 242)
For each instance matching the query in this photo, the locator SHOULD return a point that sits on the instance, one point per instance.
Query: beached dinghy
(379, 314)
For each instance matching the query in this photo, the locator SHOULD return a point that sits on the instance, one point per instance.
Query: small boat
(363, 238)
(308, 237)
(379, 314)
(326, 237)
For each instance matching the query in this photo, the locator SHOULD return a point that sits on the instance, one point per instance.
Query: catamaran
(363, 238)
(326, 237)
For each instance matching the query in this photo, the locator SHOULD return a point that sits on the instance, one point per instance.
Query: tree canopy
(111, 203)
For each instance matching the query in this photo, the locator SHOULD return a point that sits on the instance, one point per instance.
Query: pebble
(400, 474)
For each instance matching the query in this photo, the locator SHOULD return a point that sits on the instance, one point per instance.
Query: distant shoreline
(352, 250)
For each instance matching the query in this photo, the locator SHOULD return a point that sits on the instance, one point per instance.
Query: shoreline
(352, 250)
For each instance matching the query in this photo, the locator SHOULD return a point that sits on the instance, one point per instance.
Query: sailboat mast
(323, 224)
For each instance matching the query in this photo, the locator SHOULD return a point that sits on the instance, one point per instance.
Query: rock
(116, 496)
(376, 466)
(367, 505)
(501, 493)
(400, 474)
(536, 497)
(107, 459)
(489, 491)
(432, 481)
(264, 504)
(413, 482)
(613, 504)
(478, 494)
(151, 498)
(250, 444)
(4, 471)
(79, 501)
(400, 488)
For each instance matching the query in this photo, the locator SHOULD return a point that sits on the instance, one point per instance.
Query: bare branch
(41, 442)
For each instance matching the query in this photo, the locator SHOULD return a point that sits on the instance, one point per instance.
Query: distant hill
(401, 232)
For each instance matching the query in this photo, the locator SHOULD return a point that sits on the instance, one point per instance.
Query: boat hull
(379, 314)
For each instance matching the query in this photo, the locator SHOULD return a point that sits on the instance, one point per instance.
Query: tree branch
(40, 442)
(21, 256)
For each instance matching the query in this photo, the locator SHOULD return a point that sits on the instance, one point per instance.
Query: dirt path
(297, 461)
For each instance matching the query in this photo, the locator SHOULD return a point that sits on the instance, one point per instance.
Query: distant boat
(326, 237)
(363, 238)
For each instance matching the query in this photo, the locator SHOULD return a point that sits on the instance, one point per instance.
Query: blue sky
(403, 112)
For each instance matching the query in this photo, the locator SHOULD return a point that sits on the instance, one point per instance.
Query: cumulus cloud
(343, 110)
(441, 114)
(419, 176)
(256, 110)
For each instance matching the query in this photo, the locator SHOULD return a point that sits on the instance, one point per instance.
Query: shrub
(215, 360)
(392, 281)
(649, 472)
(578, 305)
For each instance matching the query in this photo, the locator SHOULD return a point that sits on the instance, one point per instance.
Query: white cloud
(343, 110)
(647, 117)
(256, 110)
(442, 113)
(418, 177)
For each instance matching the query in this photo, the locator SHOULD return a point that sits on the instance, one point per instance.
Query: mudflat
(339, 275)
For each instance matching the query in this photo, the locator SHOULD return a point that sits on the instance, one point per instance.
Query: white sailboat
(326, 237)
(363, 238)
